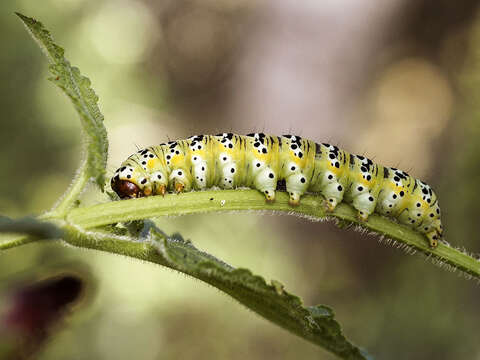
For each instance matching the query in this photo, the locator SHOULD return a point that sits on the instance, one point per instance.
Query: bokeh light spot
(410, 106)
(122, 32)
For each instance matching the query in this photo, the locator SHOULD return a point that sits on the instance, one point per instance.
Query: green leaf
(77, 88)
(316, 324)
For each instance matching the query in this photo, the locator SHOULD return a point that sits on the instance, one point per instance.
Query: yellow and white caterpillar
(270, 163)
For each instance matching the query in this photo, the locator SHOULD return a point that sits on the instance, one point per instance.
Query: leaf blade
(78, 88)
(315, 324)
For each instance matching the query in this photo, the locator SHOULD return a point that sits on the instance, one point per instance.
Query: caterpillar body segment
(268, 163)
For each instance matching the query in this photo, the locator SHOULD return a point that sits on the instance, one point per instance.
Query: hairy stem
(71, 195)
(17, 240)
(26, 230)
(311, 207)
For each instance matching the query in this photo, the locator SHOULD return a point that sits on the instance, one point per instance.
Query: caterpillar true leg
(161, 190)
(181, 181)
(179, 187)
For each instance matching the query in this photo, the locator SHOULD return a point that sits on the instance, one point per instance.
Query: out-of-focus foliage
(32, 310)
(341, 73)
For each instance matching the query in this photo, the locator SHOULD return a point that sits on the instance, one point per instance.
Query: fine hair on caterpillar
(281, 163)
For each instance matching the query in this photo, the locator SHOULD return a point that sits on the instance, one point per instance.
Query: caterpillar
(269, 163)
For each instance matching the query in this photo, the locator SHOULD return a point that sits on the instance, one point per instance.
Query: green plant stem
(17, 240)
(311, 207)
(26, 230)
(71, 195)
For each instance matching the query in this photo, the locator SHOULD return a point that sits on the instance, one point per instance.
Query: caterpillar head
(124, 188)
(130, 182)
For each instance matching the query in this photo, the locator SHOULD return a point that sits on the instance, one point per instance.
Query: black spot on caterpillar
(288, 163)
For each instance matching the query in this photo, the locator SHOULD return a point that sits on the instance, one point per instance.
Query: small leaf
(77, 88)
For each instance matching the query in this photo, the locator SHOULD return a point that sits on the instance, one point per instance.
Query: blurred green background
(397, 81)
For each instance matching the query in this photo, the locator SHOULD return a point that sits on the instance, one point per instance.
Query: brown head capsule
(125, 188)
